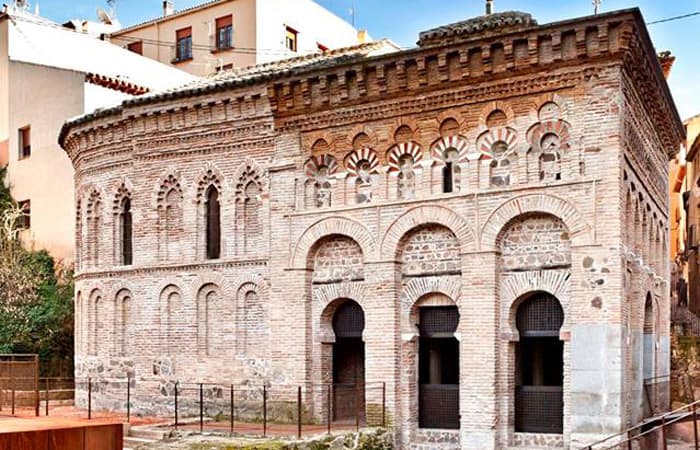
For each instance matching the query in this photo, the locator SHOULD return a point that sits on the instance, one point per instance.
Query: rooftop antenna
(112, 8)
(352, 13)
(489, 7)
(596, 6)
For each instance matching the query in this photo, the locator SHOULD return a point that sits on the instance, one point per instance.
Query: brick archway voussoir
(328, 227)
(426, 215)
(579, 230)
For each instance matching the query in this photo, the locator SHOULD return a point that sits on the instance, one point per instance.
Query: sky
(402, 20)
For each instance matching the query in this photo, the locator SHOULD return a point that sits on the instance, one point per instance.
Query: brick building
(480, 222)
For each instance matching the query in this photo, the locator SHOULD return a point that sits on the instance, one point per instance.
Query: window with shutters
(224, 33)
(183, 46)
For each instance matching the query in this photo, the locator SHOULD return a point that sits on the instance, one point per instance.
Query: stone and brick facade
(498, 161)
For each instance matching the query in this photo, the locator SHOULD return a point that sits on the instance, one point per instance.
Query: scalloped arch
(457, 142)
(579, 230)
(327, 227)
(417, 288)
(424, 215)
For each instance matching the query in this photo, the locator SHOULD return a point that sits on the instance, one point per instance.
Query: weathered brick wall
(333, 190)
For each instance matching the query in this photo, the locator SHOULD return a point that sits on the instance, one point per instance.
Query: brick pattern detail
(291, 253)
(337, 258)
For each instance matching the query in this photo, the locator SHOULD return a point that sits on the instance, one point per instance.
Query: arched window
(539, 376)
(125, 226)
(450, 171)
(213, 227)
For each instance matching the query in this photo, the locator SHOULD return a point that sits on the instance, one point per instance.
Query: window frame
(126, 226)
(24, 134)
(25, 220)
(291, 35)
(212, 219)
(224, 24)
(183, 44)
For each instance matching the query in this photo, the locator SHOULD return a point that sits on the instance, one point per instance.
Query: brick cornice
(169, 268)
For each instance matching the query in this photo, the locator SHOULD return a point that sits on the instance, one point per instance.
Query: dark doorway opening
(438, 368)
(539, 377)
(348, 362)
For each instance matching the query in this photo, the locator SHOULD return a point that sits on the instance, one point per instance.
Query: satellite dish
(104, 16)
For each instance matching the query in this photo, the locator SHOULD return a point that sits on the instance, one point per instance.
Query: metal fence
(266, 410)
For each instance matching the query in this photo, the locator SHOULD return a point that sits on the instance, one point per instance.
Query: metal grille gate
(19, 382)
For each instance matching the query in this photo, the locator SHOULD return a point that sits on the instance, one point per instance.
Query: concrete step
(133, 442)
(147, 433)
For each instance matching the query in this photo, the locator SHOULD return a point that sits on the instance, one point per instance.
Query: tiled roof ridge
(475, 25)
(298, 59)
(173, 15)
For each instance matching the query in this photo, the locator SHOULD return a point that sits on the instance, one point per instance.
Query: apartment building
(48, 74)
(226, 34)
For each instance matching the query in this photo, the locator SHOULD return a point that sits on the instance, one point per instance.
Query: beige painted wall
(44, 98)
(202, 21)
(4, 91)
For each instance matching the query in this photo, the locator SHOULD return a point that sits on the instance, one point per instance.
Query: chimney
(666, 59)
(489, 7)
(168, 8)
(361, 36)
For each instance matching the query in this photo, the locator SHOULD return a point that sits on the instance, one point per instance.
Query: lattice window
(349, 320)
(540, 316)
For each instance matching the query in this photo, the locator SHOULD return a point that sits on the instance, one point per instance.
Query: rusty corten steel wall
(98, 437)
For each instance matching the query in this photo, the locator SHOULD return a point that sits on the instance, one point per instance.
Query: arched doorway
(438, 368)
(539, 372)
(348, 362)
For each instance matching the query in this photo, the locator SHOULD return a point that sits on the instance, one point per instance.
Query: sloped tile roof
(250, 75)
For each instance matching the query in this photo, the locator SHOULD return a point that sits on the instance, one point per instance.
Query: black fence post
(176, 383)
(329, 413)
(47, 396)
(201, 407)
(89, 398)
(299, 412)
(384, 404)
(36, 386)
(128, 398)
(12, 382)
(695, 425)
(232, 410)
(264, 410)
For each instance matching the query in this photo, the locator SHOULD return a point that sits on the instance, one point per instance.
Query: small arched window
(213, 230)
(450, 171)
(125, 224)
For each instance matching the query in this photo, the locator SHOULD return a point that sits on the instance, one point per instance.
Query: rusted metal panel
(107, 437)
(67, 438)
(89, 437)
